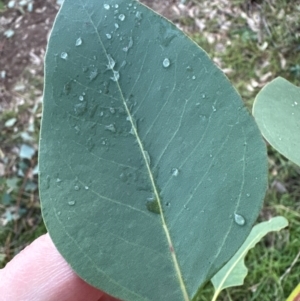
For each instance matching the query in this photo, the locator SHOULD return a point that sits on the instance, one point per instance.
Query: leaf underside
(147, 154)
(277, 113)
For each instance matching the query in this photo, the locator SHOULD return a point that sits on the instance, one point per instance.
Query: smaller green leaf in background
(277, 113)
(235, 271)
(295, 295)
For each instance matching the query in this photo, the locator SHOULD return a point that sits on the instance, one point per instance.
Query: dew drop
(130, 44)
(214, 108)
(239, 219)
(166, 62)
(111, 127)
(86, 187)
(59, 213)
(147, 157)
(106, 6)
(108, 35)
(93, 74)
(64, 55)
(71, 203)
(112, 110)
(121, 17)
(203, 96)
(131, 132)
(80, 109)
(194, 77)
(175, 172)
(76, 187)
(111, 62)
(116, 5)
(139, 15)
(248, 194)
(81, 98)
(116, 25)
(78, 42)
(296, 103)
(58, 180)
(116, 76)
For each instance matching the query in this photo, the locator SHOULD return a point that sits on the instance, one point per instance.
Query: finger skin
(39, 273)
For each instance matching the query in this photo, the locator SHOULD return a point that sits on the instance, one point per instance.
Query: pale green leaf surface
(277, 113)
(295, 295)
(138, 120)
(235, 271)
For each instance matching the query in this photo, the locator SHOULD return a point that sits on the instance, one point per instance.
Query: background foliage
(252, 41)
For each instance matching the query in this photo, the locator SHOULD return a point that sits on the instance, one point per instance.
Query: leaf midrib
(157, 196)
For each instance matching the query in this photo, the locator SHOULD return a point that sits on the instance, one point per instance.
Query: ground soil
(26, 48)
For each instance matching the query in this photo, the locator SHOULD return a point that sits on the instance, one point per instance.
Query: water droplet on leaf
(239, 219)
(93, 74)
(71, 203)
(64, 55)
(80, 108)
(111, 62)
(111, 128)
(166, 63)
(106, 6)
(175, 172)
(147, 157)
(76, 187)
(122, 17)
(138, 15)
(116, 76)
(78, 42)
(108, 35)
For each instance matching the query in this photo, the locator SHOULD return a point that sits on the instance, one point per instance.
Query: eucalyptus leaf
(235, 271)
(277, 113)
(152, 171)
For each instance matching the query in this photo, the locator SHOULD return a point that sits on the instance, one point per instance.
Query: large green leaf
(235, 271)
(277, 112)
(152, 171)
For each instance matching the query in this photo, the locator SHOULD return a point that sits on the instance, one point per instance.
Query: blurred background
(252, 41)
